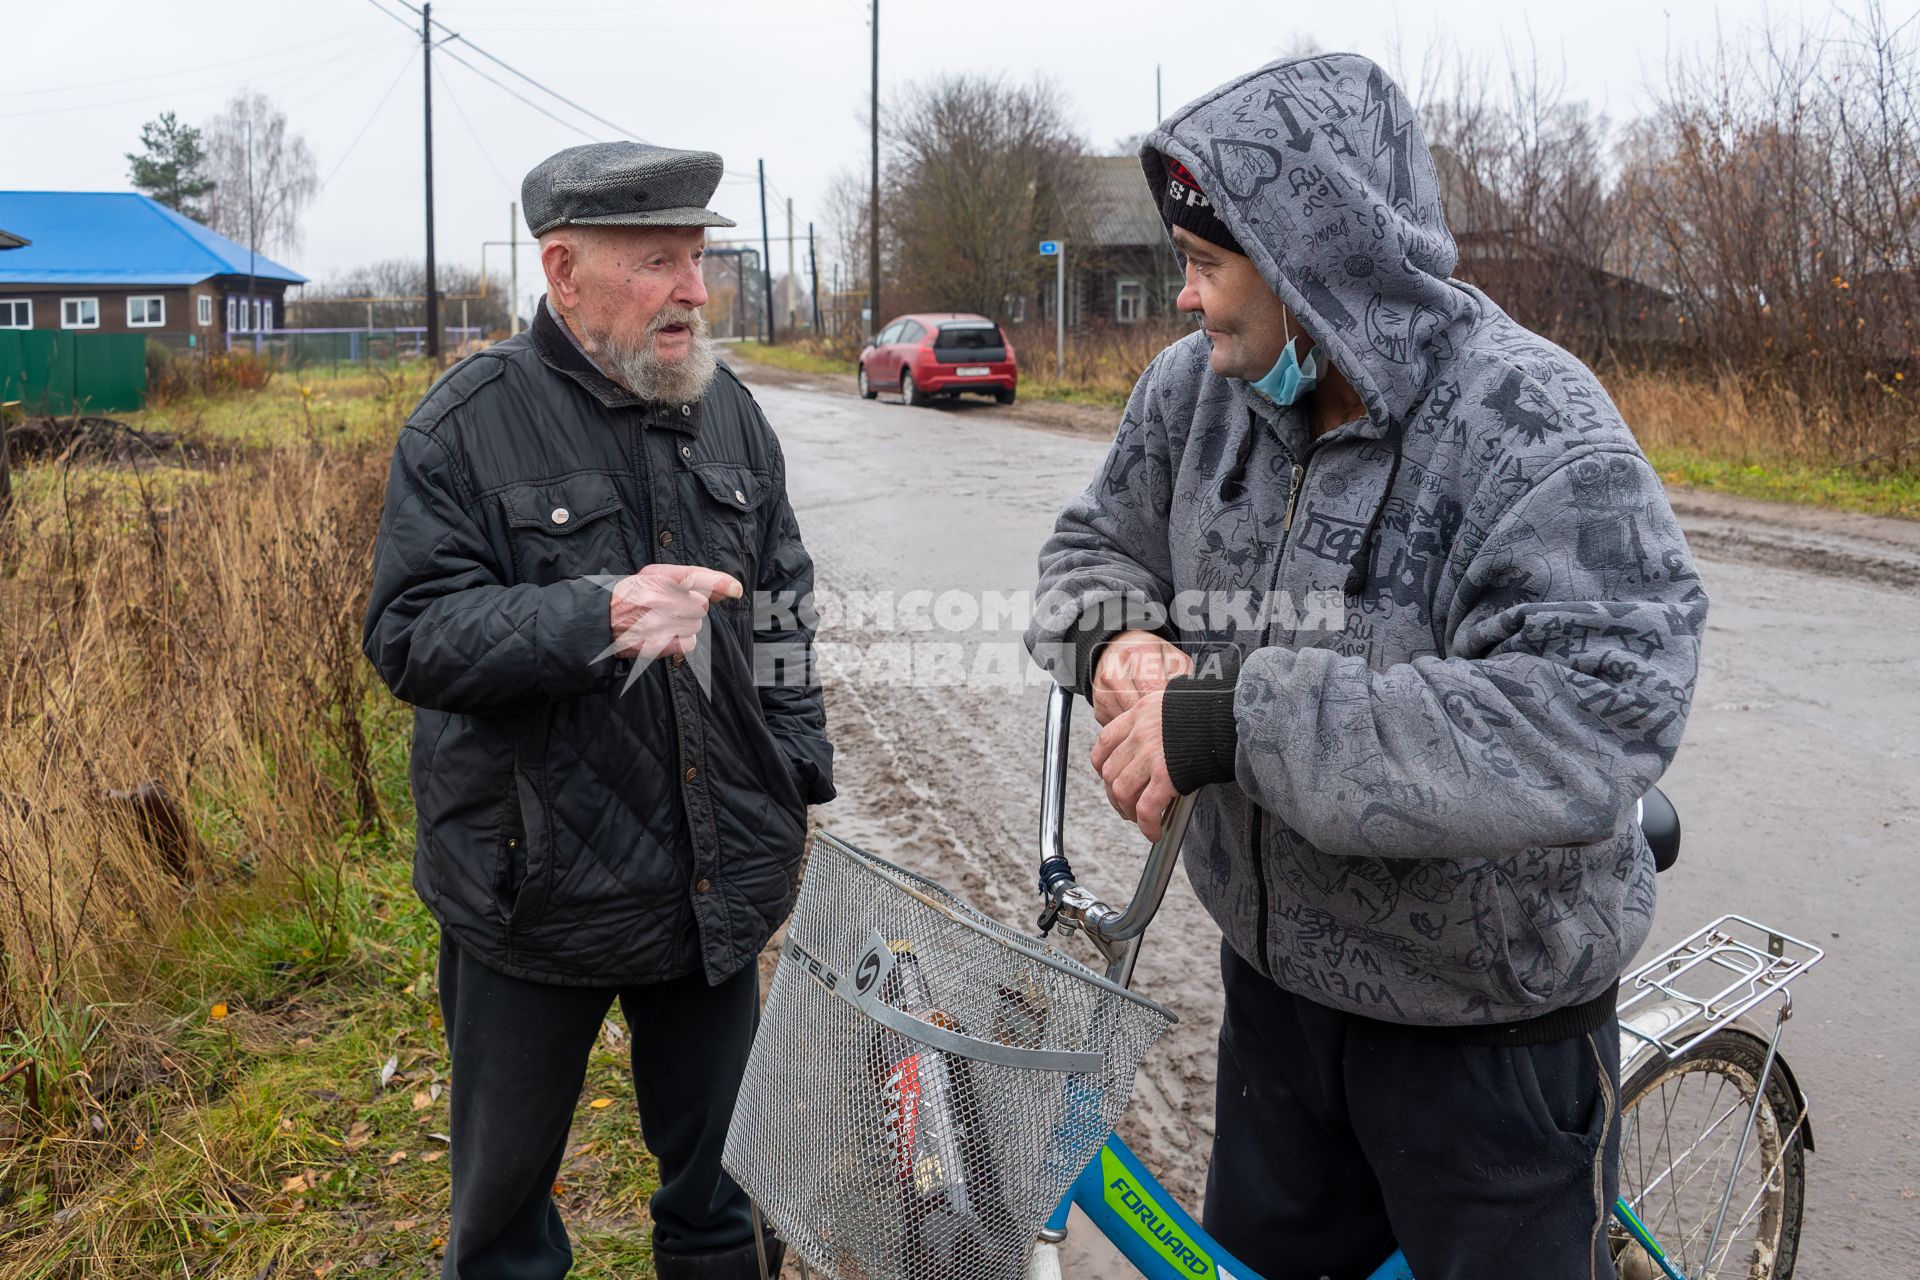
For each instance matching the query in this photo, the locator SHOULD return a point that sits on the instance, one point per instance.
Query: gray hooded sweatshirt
(1460, 634)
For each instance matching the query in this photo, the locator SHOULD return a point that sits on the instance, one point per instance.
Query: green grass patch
(271, 1095)
(796, 359)
(1883, 494)
(1032, 388)
(324, 403)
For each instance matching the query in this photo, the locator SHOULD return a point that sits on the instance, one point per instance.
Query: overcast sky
(781, 80)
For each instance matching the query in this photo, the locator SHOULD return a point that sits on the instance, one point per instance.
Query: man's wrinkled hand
(1132, 665)
(658, 612)
(1132, 761)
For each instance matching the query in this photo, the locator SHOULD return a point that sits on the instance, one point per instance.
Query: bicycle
(883, 968)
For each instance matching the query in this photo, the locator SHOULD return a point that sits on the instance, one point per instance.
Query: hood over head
(1317, 168)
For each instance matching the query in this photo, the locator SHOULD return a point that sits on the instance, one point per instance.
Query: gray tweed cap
(622, 184)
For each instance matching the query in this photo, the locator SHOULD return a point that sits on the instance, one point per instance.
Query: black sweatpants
(519, 1062)
(1338, 1137)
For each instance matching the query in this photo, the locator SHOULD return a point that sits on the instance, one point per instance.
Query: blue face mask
(1291, 377)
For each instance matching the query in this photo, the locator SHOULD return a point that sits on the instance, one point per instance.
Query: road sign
(1048, 248)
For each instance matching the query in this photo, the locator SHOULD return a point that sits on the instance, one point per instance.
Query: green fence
(54, 371)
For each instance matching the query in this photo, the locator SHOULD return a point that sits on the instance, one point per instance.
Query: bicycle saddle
(1660, 823)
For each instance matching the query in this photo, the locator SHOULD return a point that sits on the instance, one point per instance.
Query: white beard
(643, 372)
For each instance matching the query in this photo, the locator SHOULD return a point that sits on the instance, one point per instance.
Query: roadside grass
(1722, 434)
(271, 1091)
(1894, 494)
(199, 996)
(345, 403)
(796, 357)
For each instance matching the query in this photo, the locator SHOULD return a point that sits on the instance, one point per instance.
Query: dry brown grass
(193, 641)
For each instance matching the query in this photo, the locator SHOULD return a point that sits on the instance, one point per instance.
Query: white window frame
(253, 313)
(233, 313)
(75, 302)
(203, 310)
(156, 320)
(1122, 312)
(268, 307)
(11, 303)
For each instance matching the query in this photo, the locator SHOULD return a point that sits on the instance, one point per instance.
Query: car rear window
(969, 337)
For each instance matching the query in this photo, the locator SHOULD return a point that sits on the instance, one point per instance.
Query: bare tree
(263, 174)
(390, 293)
(980, 169)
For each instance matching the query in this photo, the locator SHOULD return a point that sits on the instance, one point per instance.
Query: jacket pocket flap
(559, 507)
(732, 485)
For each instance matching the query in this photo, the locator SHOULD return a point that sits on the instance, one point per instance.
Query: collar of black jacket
(559, 351)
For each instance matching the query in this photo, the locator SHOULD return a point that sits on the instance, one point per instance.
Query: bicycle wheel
(1680, 1127)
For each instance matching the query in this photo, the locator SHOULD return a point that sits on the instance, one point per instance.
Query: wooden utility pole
(873, 213)
(433, 289)
(813, 269)
(766, 257)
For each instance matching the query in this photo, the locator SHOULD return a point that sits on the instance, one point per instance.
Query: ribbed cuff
(1094, 628)
(1197, 731)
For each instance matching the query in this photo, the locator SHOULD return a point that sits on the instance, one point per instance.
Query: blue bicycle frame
(1130, 1208)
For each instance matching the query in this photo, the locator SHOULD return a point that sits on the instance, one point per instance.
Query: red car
(945, 353)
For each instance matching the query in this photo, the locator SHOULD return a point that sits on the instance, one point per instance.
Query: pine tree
(173, 168)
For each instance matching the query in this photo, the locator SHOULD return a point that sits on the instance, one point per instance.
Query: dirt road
(1799, 783)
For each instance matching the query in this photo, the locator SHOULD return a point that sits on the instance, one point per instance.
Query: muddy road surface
(1798, 784)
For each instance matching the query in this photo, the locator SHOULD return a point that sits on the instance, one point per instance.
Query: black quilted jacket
(576, 828)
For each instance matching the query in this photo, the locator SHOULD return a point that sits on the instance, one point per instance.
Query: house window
(204, 310)
(254, 312)
(16, 313)
(79, 313)
(146, 312)
(269, 314)
(1129, 300)
(233, 312)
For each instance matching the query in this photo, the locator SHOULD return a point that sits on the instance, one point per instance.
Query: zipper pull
(1293, 495)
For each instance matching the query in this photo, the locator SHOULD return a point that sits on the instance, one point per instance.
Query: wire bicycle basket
(926, 1083)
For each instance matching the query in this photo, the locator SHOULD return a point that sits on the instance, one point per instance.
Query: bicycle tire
(1679, 1201)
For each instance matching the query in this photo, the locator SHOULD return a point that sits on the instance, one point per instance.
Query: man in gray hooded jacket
(1412, 614)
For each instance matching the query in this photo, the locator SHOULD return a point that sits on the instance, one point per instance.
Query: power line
(515, 71)
(374, 115)
(512, 93)
(180, 71)
(298, 74)
(473, 133)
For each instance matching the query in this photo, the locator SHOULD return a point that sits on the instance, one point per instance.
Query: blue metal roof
(117, 238)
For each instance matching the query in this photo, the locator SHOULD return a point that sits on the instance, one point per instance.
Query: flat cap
(622, 184)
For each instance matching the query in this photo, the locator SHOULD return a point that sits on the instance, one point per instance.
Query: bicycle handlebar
(1110, 929)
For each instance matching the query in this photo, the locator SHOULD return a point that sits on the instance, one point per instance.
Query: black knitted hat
(1184, 204)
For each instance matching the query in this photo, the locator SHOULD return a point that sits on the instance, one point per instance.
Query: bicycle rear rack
(1722, 970)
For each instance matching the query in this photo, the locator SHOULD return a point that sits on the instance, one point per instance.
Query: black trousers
(1338, 1137)
(519, 1062)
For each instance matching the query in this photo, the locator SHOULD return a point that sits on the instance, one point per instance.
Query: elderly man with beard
(614, 746)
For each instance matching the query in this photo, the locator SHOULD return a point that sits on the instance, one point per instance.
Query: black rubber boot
(735, 1262)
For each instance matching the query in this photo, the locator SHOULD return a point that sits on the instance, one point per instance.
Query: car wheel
(1004, 396)
(910, 392)
(866, 388)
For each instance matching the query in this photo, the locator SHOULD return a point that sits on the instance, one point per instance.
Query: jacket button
(561, 515)
(686, 410)
(666, 537)
(703, 885)
(692, 773)
(740, 497)
(686, 451)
